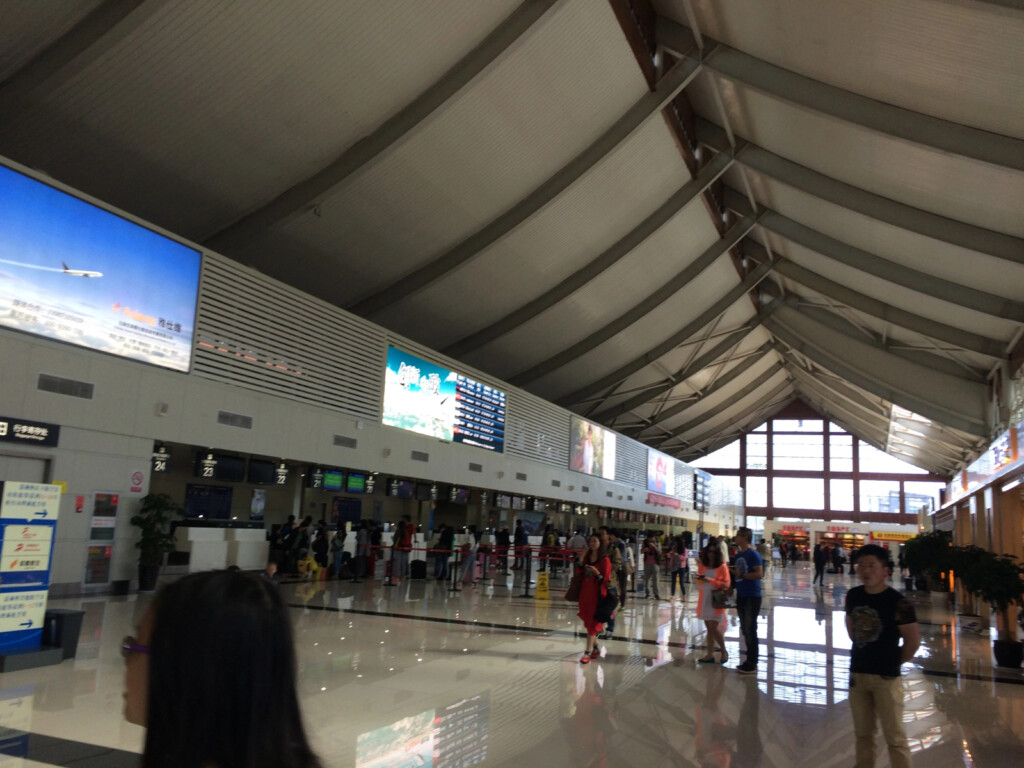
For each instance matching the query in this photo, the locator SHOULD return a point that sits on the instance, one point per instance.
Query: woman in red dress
(596, 569)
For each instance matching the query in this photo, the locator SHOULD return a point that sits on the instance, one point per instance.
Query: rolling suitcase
(418, 569)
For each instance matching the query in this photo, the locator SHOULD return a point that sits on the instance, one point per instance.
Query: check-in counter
(212, 546)
(248, 548)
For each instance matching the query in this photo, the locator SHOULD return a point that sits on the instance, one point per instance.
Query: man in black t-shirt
(877, 619)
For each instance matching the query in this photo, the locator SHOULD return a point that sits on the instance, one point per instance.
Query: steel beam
(647, 106)
(936, 133)
(653, 354)
(666, 291)
(757, 407)
(686, 194)
(959, 233)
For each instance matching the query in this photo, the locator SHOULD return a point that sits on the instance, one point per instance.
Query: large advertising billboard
(661, 473)
(432, 400)
(76, 273)
(592, 450)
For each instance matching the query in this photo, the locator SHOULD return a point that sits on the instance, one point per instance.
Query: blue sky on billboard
(77, 273)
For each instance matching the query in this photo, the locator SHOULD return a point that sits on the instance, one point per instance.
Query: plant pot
(148, 575)
(1008, 653)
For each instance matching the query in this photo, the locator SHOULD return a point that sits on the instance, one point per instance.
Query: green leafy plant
(931, 554)
(995, 579)
(153, 521)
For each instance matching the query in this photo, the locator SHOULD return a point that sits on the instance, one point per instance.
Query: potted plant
(931, 555)
(996, 579)
(155, 539)
(967, 561)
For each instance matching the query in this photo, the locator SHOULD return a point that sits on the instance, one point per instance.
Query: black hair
(873, 550)
(709, 553)
(222, 676)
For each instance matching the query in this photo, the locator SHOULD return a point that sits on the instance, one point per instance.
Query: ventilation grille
(556, 483)
(257, 333)
(539, 431)
(476, 467)
(229, 419)
(419, 456)
(609, 494)
(585, 488)
(629, 498)
(69, 387)
(630, 461)
(520, 475)
(345, 442)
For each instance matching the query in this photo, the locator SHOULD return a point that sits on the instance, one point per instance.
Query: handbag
(572, 594)
(723, 598)
(606, 608)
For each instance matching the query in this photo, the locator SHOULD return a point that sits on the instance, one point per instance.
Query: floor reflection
(419, 674)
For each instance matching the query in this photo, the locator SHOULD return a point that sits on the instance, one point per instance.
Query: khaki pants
(873, 697)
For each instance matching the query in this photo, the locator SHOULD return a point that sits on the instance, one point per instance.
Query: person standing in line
(748, 572)
(503, 539)
(614, 554)
(445, 543)
(820, 558)
(337, 550)
(677, 567)
(883, 626)
(651, 555)
(362, 551)
(765, 552)
(519, 541)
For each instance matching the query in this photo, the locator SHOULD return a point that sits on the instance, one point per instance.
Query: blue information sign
(28, 522)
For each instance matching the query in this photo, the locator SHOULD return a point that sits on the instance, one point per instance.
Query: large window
(918, 496)
(879, 496)
(757, 451)
(874, 460)
(757, 491)
(840, 453)
(726, 457)
(798, 492)
(800, 452)
(798, 425)
(841, 495)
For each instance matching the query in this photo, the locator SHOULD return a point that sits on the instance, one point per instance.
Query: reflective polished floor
(416, 674)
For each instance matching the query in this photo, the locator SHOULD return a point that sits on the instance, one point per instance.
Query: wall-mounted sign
(281, 474)
(28, 519)
(161, 459)
(22, 431)
(315, 478)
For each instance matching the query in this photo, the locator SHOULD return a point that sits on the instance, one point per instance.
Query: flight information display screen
(74, 272)
(432, 400)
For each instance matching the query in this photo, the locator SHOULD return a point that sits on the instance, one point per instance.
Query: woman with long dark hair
(596, 568)
(212, 677)
(712, 574)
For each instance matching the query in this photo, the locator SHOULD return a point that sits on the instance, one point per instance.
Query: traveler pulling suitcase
(418, 569)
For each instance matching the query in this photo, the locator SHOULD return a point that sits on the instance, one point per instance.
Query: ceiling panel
(957, 60)
(959, 188)
(949, 262)
(33, 27)
(569, 233)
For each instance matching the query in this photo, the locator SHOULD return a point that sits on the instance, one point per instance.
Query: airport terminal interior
(671, 266)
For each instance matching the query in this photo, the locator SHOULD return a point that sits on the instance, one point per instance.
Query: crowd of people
(236, 700)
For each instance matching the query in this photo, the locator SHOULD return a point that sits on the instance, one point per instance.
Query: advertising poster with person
(592, 450)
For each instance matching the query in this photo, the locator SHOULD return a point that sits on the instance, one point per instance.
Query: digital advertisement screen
(73, 272)
(333, 480)
(661, 473)
(429, 399)
(592, 450)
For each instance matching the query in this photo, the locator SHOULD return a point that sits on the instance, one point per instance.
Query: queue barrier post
(528, 557)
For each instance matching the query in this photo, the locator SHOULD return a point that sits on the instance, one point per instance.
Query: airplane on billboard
(80, 272)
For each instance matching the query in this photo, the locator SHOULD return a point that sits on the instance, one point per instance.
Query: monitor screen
(355, 483)
(432, 400)
(460, 495)
(74, 272)
(661, 473)
(402, 489)
(333, 480)
(262, 472)
(208, 501)
(592, 450)
(219, 466)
